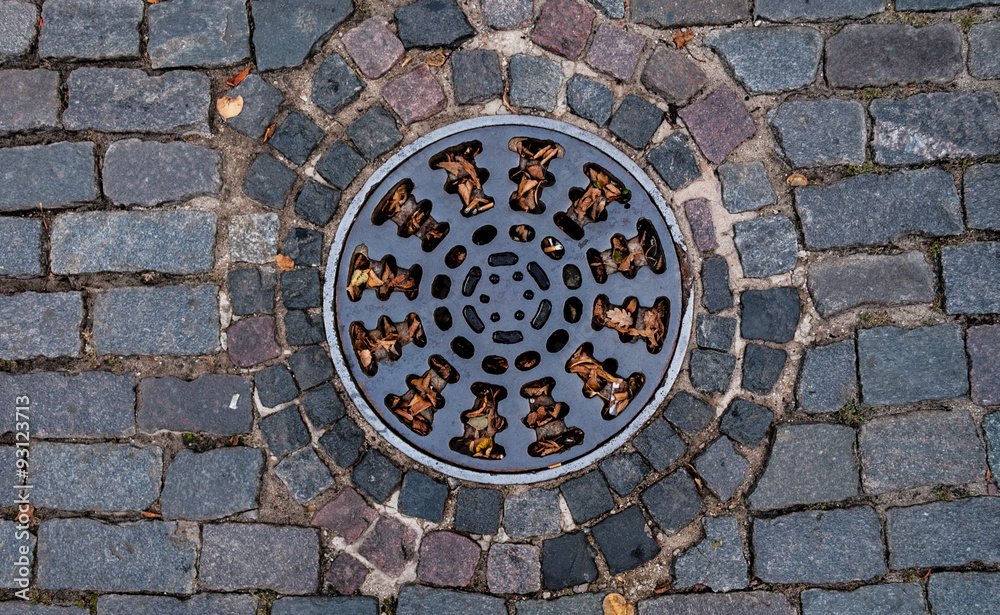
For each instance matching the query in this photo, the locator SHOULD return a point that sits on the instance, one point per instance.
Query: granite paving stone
(300, 289)
(716, 295)
(615, 9)
(821, 132)
(194, 33)
(717, 561)
(673, 13)
(296, 137)
(719, 123)
(567, 605)
(303, 328)
(711, 371)
(374, 133)
(29, 99)
(625, 540)
(762, 366)
(722, 468)
(887, 599)
(819, 546)
(952, 593)
(129, 100)
(991, 431)
(373, 46)
(304, 474)
(745, 187)
(476, 75)
(809, 464)
(448, 559)
(635, 121)
(674, 161)
(689, 413)
(615, 51)
(326, 605)
(275, 387)
(38, 324)
(89, 404)
(851, 281)
(770, 315)
(506, 14)
(806, 10)
(944, 533)
(415, 96)
(736, 603)
(268, 181)
(322, 406)
(251, 291)
(213, 484)
(534, 82)
(335, 85)
(311, 366)
(169, 320)
(767, 246)
(286, 32)
(982, 196)
(339, 166)
(671, 75)
(390, 546)
(715, 332)
(984, 50)
(972, 278)
(430, 24)
(18, 28)
(90, 29)
(101, 477)
(589, 99)
(260, 104)
(563, 28)
(477, 511)
(531, 513)
(252, 341)
(659, 444)
(568, 560)
(673, 501)
(769, 60)
(587, 497)
(886, 54)
(347, 574)
(343, 442)
(177, 242)
(199, 604)
(514, 569)
(983, 346)
(284, 430)
(56, 176)
(829, 378)
(150, 173)
(237, 556)
(930, 5)
(746, 422)
(347, 515)
(422, 496)
(317, 203)
(12, 607)
(699, 216)
(898, 366)
(21, 254)
(938, 126)
(253, 238)
(421, 600)
(376, 476)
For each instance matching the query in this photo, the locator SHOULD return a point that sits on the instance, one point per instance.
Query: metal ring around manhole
(508, 299)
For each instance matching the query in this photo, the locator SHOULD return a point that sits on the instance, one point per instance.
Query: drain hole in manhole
(633, 321)
(628, 255)
(495, 365)
(572, 310)
(455, 257)
(553, 248)
(557, 341)
(383, 277)
(464, 178)
(441, 286)
(471, 281)
(463, 348)
(384, 343)
(484, 235)
(542, 315)
(527, 360)
(546, 418)
(601, 379)
(572, 277)
(590, 204)
(472, 318)
(522, 233)
(423, 398)
(482, 423)
(442, 318)
(532, 172)
(412, 218)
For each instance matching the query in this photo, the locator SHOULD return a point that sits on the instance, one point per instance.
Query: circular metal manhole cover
(507, 299)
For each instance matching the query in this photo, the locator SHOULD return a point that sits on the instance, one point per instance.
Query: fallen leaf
(146, 513)
(796, 180)
(269, 132)
(615, 604)
(229, 107)
(682, 37)
(286, 263)
(235, 80)
(436, 59)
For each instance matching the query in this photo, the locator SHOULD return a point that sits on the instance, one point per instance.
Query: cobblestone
(237, 556)
(212, 403)
(37, 324)
(567, 605)
(304, 474)
(673, 13)
(213, 484)
(944, 533)
(260, 104)
(717, 561)
(310, 366)
(251, 291)
(477, 511)
(821, 132)
(587, 496)
(567, 561)
(347, 574)
(928, 5)
(762, 366)
(374, 133)
(178, 320)
(719, 124)
(746, 422)
(982, 196)
(268, 181)
(745, 187)
(689, 413)
(534, 82)
(373, 46)
(343, 442)
(711, 371)
(296, 137)
(322, 405)
(716, 295)
(29, 99)
(983, 345)
(715, 332)
(303, 328)
(300, 289)
(625, 540)
(888, 599)
(21, 255)
(422, 496)
(722, 468)
(846, 283)
(514, 569)
(390, 546)
(506, 14)
(99, 477)
(805, 10)
(635, 121)
(900, 367)
(56, 176)
(376, 476)
(768, 60)
(430, 24)
(252, 341)
(286, 32)
(447, 559)
(700, 218)
(673, 501)
(532, 513)
(476, 75)
(659, 444)
(563, 28)
(18, 28)
(615, 51)
(829, 377)
(672, 76)
(347, 515)
(767, 246)
(589, 99)
(415, 96)
(952, 593)
(253, 238)
(972, 278)
(674, 162)
(323, 605)
(192, 33)
(90, 404)
(339, 166)
(737, 603)
(199, 604)
(284, 430)
(317, 203)
(984, 57)
(420, 600)
(90, 29)
(886, 54)
(770, 315)
(150, 173)
(991, 431)
(335, 85)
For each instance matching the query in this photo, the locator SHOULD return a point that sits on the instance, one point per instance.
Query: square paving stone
(288, 31)
(770, 60)
(514, 569)
(376, 476)
(719, 124)
(421, 600)
(534, 82)
(625, 540)
(972, 278)
(433, 23)
(335, 84)
(253, 238)
(589, 99)
(251, 291)
(339, 166)
(762, 366)
(477, 511)
(984, 50)
(284, 431)
(567, 561)
(809, 464)
(829, 546)
(689, 413)
(91, 29)
(716, 562)
(767, 246)
(448, 559)
(745, 187)
(213, 484)
(843, 283)
(303, 328)
(275, 386)
(347, 515)
(252, 341)
(268, 181)
(211, 403)
(39, 324)
(21, 254)
(373, 46)
(237, 556)
(715, 332)
(624, 472)
(563, 28)
(476, 75)
(944, 533)
(415, 96)
(199, 604)
(674, 161)
(506, 14)
(722, 468)
(829, 377)
(616, 51)
(982, 196)
(18, 28)
(699, 216)
(770, 315)
(322, 405)
(587, 497)
(673, 502)
(711, 371)
(29, 99)
(952, 593)
(296, 137)
(671, 75)
(635, 121)
(716, 295)
(343, 442)
(888, 599)
(374, 133)
(193, 33)
(101, 477)
(305, 475)
(983, 345)
(746, 422)
(347, 574)
(659, 444)
(300, 289)
(673, 13)
(317, 203)
(169, 320)
(390, 546)
(311, 366)
(422, 496)
(532, 513)
(893, 54)
(821, 132)
(323, 605)
(56, 175)
(900, 367)
(260, 104)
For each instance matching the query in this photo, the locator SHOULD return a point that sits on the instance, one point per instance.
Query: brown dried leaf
(238, 78)
(269, 132)
(619, 318)
(437, 59)
(284, 262)
(796, 180)
(229, 107)
(615, 604)
(682, 37)
(146, 513)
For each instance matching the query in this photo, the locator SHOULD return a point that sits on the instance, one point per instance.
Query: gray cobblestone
(771, 315)
(737, 603)
(421, 600)
(532, 513)
(97, 477)
(625, 540)
(715, 332)
(304, 475)
(689, 413)
(534, 82)
(767, 246)
(90, 29)
(768, 60)
(587, 496)
(711, 371)
(930, 5)
(984, 50)
(805, 10)
(375, 132)
(972, 278)
(29, 99)
(211, 403)
(674, 162)
(745, 186)
(322, 405)
(888, 599)
(284, 431)
(955, 593)
(21, 254)
(150, 173)
(847, 282)
(36, 324)
(901, 367)
(335, 85)
(659, 444)
(717, 561)
(422, 496)
(673, 501)
(237, 556)
(589, 99)
(506, 14)
(821, 132)
(567, 605)
(716, 295)
(567, 560)
(762, 366)
(253, 238)
(635, 121)
(982, 196)
(376, 475)
(433, 23)
(353, 605)
(213, 484)
(18, 28)
(746, 422)
(268, 181)
(17, 560)
(287, 31)
(625, 471)
(180, 320)
(944, 533)
(300, 289)
(91, 404)
(199, 604)
(829, 377)
(478, 510)
(885, 54)
(672, 76)
(722, 468)
(260, 104)
(317, 203)
(672, 13)
(296, 137)
(251, 291)
(193, 33)
(343, 442)
(53, 176)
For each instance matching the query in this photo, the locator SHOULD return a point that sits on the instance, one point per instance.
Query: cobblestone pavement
(831, 445)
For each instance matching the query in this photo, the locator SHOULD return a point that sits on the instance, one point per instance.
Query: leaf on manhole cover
(796, 180)
(615, 604)
(237, 79)
(284, 262)
(229, 107)
(682, 37)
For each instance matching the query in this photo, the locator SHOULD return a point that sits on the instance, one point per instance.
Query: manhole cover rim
(346, 377)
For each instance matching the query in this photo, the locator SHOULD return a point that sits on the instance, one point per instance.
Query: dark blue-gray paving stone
(991, 429)
(304, 475)
(251, 291)
(150, 173)
(589, 99)
(212, 403)
(476, 76)
(821, 132)
(809, 464)
(332, 605)
(587, 497)
(930, 5)
(29, 99)
(984, 50)
(673, 13)
(375, 132)
(531, 513)
(938, 126)
(919, 449)
(888, 54)
(900, 367)
(322, 405)
(213, 484)
(376, 476)
(144, 556)
(238, 556)
(339, 166)
(18, 28)
(624, 472)
(659, 444)
(771, 315)
(343, 442)
(768, 60)
(957, 593)
(99, 477)
(845, 282)
(90, 29)
(335, 84)
(170, 320)
(982, 196)
(304, 246)
(199, 604)
(317, 203)
(37, 324)
(716, 295)
(734, 603)
(477, 511)
(91, 404)
(422, 496)
(887, 599)
(568, 560)
(762, 366)
(300, 289)
(311, 366)
(296, 137)
(284, 430)
(21, 252)
(432, 23)
(674, 162)
(673, 502)
(422, 600)
(717, 561)
(625, 540)
(711, 371)
(129, 100)
(573, 604)
(534, 82)
(260, 104)
(767, 246)
(689, 413)
(808, 10)
(829, 378)
(746, 422)
(175, 242)
(268, 181)
(615, 9)
(303, 328)
(287, 31)
(821, 546)
(944, 533)
(972, 278)
(506, 14)
(53, 176)
(195, 33)
(635, 121)
(19, 553)
(722, 468)
(745, 186)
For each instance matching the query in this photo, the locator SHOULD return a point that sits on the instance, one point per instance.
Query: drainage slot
(495, 365)
(572, 310)
(463, 348)
(542, 315)
(508, 337)
(441, 286)
(442, 318)
(557, 341)
(553, 248)
(471, 281)
(471, 317)
(484, 234)
(522, 233)
(455, 257)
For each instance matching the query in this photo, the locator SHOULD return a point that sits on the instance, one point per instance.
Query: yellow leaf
(359, 278)
(285, 263)
(615, 604)
(796, 180)
(229, 107)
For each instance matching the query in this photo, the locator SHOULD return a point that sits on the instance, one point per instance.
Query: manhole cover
(508, 299)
